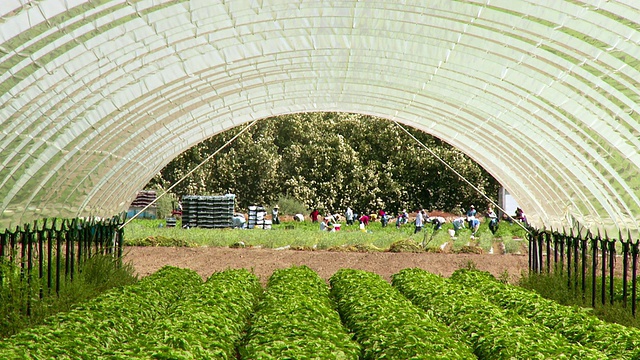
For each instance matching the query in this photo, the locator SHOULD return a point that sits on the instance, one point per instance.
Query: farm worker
(493, 220)
(419, 220)
(474, 224)
(437, 222)
(349, 216)
(325, 225)
(458, 223)
(274, 215)
(314, 215)
(364, 219)
(384, 219)
(520, 215)
(471, 213)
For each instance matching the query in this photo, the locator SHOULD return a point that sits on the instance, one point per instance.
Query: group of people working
(470, 219)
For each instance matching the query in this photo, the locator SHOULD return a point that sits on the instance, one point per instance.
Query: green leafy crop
(297, 320)
(493, 333)
(386, 324)
(576, 324)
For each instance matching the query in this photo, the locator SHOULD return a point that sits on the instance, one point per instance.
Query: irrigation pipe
(460, 176)
(190, 172)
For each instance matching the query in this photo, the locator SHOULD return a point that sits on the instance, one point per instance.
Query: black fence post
(576, 259)
(547, 237)
(583, 261)
(612, 265)
(3, 246)
(561, 238)
(40, 234)
(23, 250)
(50, 232)
(625, 268)
(555, 250)
(635, 248)
(59, 236)
(603, 247)
(569, 241)
(594, 269)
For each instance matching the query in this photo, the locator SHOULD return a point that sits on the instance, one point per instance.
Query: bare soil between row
(207, 260)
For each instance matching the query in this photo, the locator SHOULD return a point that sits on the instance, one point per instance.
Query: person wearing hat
(274, 215)
(471, 215)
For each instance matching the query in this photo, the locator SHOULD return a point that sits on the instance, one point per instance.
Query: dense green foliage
(297, 320)
(19, 294)
(493, 333)
(576, 324)
(386, 324)
(168, 315)
(331, 161)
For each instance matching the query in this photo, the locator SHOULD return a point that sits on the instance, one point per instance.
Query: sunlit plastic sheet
(97, 96)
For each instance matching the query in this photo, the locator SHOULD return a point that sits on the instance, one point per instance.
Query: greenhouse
(96, 97)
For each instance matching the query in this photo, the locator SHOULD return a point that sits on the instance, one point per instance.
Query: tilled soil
(207, 260)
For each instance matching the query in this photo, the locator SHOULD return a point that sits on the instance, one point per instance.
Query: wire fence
(52, 252)
(602, 267)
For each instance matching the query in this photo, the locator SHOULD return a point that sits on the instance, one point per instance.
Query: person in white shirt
(419, 221)
(349, 216)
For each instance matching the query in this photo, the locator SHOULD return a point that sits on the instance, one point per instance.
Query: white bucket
(452, 232)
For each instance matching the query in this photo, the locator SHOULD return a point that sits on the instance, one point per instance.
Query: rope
(460, 176)
(189, 173)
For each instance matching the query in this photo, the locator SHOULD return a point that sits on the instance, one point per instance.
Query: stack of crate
(142, 200)
(209, 212)
(257, 216)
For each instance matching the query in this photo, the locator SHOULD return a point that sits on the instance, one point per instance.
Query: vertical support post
(594, 267)
(562, 245)
(3, 246)
(29, 236)
(569, 257)
(120, 239)
(625, 269)
(71, 237)
(547, 237)
(40, 235)
(576, 260)
(634, 276)
(59, 235)
(603, 247)
(583, 261)
(540, 239)
(612, 265)
(555, 250)
(50, 233)
(23, 250)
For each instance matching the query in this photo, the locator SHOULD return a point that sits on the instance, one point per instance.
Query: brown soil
(207, 260)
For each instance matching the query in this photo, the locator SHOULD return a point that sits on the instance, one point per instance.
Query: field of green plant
(173, 314)
(306, 235)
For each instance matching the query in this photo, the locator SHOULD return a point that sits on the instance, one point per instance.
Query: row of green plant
(306, 235)
(386, 324)
(576, 324)
(491, 332)
(170, 314)
(296, 319)
(26, 300)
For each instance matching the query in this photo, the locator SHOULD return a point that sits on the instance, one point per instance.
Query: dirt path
(206, 260)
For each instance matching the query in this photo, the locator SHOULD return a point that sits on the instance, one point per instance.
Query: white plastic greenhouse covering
(96, 97)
